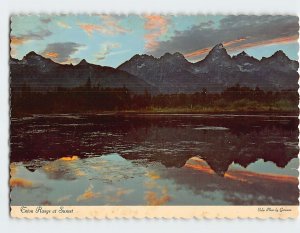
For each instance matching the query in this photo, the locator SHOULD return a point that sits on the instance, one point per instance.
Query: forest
(88, 99)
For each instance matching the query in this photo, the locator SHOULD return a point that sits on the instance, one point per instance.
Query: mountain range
(171, 73)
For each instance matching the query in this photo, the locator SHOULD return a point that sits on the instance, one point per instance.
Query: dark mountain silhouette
(217, 71)
(171, 73)
(42, 74)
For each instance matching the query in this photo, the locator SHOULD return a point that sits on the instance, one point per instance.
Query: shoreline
(164, 112)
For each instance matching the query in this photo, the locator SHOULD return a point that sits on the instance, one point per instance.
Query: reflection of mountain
(171, 73)
(168, 140)
(238, 187)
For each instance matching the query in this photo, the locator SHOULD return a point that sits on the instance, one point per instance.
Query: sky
(110, 40)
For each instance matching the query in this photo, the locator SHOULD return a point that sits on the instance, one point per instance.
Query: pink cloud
(157, 26)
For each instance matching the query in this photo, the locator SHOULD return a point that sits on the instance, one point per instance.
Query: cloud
(109, 26)
(45, 20)
(235, 32)
(157, 26)
(20, 39)
(105, 50)
(63, 25)
(62, 52)
(113, 24)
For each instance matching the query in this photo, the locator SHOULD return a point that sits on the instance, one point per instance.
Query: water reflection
(154, 160)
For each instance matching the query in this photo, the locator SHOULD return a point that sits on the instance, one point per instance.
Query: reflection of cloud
(88, 194)
(116, 196)
(46, 202)
(63, 25)
(13, 169)
(64, 199)
(20, 182)
(109, 26)
(62, 51)
(153, 198)
(198, 164)
(253, 30)
(67, 168)
(157, 26)
(238, 186)
(152, 175)
(69, 158)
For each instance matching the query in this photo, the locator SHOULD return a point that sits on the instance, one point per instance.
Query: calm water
(154, 160)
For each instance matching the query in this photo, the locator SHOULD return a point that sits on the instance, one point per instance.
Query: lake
(154, 159)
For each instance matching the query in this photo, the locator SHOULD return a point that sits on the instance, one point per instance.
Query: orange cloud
(238, 45)
(109, 26)
(14, 40)
(229, 43)
(90, 28)
(51, 54)
(280, 40)
(156, 25)
(113, 24)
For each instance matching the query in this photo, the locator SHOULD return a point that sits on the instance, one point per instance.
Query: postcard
(153, 115)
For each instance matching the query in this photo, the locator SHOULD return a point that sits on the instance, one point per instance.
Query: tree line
(95, 99)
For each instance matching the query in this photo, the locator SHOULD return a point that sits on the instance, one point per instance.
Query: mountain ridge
(217, 71)
(170, 73)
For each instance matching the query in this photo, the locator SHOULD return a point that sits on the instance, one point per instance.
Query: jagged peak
(166, 55)
(217, 52)
(140, 56)
(33, 55)
(280, 53)
(218, 46)
(83, 62)
(243, 54)
(176, 55)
